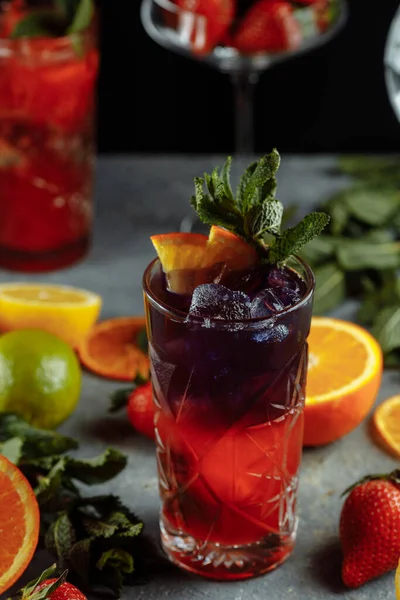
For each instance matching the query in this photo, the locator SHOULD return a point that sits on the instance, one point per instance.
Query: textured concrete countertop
(138, 196)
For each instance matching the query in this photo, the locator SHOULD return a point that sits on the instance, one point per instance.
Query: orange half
(19, 524)
(111, 350)
(386, 425)
(344, 376)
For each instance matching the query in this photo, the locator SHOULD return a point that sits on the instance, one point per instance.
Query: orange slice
(19, 524)
(181, 255)
(111, 350)
(344, 375)
(386, 425)
(65, 311)
(224, 246)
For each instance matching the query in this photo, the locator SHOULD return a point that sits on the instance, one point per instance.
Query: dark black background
(332, 99)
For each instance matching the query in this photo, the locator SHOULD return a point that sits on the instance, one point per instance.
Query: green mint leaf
(96, 470)
(37, 442)
(39, 23)
(263, 219)
(117, 558)
(124, 524)
(49, 485)
(357, 255)
(226, 179)
(79, 559)
(60, 536)
(142, 341)
(243, 184)
(386, 328)
(320, 249)
(370, 167)
(213, 212)
(294, 238)
(12, 449)
(83, 17)
(256, 178)
(372, 204)
(330, 289)
(339, 213)
(97, 528)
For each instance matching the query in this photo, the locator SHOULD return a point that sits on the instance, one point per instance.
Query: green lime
(40, 377)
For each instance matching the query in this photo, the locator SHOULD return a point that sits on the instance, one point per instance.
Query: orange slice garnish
(225, 247)
(187, 258)
(386, 425)
(181, 256)
(19, 524)
(344, 375)
(111, 349)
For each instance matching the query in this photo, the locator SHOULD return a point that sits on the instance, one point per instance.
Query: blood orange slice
(111, 349)
(19, 524)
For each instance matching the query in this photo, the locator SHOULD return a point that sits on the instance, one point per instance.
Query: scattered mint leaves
(64, 17)
(98, 539)
(254, 214)
(358, 256)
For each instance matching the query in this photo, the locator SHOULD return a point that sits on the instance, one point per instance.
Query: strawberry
(52, 589)
(140, 410)
(205, 33)
(268, 26)
(370, 528)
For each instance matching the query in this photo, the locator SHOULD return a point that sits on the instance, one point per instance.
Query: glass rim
(181, 316)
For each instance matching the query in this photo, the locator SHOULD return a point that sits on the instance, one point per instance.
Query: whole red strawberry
(205, 33)
(268, 26)
(43, 588)
(370, 528)
(140, 410)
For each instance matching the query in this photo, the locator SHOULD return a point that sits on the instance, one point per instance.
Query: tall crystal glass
(47, 149)
(229, 398)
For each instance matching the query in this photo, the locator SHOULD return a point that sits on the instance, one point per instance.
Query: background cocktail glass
(392, 64)
(229, 399)
(47, 103)
(309, 24)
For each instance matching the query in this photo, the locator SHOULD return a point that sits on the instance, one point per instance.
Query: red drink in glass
(47, 101)
(228, 374)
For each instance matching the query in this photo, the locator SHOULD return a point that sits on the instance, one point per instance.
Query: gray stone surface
(139, 196)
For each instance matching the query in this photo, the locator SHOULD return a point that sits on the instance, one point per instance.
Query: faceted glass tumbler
(229, 398)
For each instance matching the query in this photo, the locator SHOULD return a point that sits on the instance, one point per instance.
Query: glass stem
(244, 86)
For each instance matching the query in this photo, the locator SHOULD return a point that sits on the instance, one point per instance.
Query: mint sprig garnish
(68, 17)
(97, 538)
(254, 213)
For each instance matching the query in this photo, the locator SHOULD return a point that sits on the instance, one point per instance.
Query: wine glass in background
(242, 38)
(392, 63)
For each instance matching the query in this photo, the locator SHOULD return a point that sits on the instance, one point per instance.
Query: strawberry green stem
(393, 477)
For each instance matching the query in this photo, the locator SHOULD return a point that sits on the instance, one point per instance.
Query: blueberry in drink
(228, 318)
